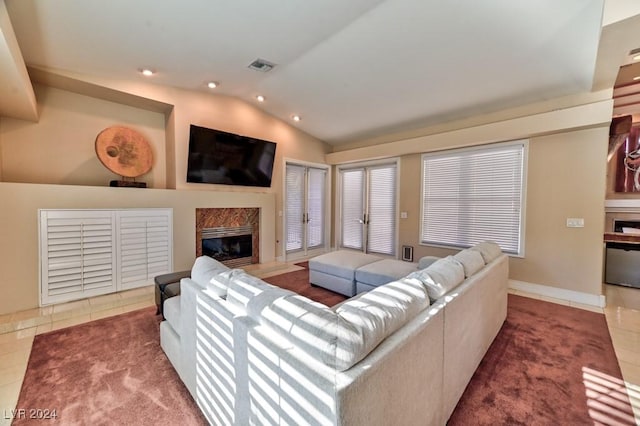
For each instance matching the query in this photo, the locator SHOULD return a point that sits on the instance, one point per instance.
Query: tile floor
(18, 330)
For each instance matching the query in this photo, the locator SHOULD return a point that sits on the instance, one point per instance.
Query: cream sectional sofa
(402, 353)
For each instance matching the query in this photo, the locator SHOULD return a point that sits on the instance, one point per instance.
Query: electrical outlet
(575, 222)
(403, 215)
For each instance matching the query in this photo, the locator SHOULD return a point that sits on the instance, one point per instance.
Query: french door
(305, 208)
(369, 208)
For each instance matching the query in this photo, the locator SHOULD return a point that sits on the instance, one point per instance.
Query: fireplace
(230, 235)
(232, 246)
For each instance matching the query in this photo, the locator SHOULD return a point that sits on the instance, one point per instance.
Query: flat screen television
(229, 159)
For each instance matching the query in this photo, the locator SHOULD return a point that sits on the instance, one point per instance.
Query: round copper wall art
(124, 151)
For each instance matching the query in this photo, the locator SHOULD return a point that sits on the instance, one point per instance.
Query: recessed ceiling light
(147, 72)
(636, 58)
(212, 84)
(296, 118)
(636, 78)
(260, 98)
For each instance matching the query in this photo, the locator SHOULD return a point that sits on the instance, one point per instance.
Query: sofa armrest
(474, 313)
(214, 360)
(189, 293)
(407, 363)
(172, 277)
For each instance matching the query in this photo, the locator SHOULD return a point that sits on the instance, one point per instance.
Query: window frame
(479, 148)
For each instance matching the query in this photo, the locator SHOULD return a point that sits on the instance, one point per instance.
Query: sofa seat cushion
(471, 261)
(441, 277)
(341, 263)
(340, 338)
(171, 311)
(204, 268)
(384, 271)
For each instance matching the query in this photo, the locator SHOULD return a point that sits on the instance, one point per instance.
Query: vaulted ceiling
(349, 69)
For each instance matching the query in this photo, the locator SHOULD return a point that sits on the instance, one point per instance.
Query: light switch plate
(575, 222)
(403, 215)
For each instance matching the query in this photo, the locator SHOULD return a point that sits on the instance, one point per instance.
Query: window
(472, 195)
(369, 208)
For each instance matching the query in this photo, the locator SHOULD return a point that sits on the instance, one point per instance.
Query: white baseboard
(596, 300)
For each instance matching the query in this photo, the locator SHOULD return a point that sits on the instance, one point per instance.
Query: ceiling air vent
(261, 65)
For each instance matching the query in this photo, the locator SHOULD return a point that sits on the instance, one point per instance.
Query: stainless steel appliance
(622, 265)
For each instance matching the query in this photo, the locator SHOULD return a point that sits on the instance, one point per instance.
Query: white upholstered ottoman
(382, 272)
(336, 271)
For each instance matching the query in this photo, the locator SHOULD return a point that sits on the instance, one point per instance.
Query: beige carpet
(110, 371)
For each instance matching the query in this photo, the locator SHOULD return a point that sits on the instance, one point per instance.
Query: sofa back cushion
(219, 284)
(244, 287)
(471, 261)
(340, 338)
(441, 277)
(204, 268)
(376, 315)
(306, 324)
(426, 261)
(488, 249)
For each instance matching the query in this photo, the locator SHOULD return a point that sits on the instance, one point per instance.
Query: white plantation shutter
(315, 207)
(85, 253)
(353, 194)
(144, 238)
(474, 195)
(76, 255)
(159, 240)
(294, 205)
(382, 210)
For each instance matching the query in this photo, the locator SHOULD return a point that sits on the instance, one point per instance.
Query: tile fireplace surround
(229, 217)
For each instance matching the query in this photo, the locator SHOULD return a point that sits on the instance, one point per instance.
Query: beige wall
(232, 115)
(19, 262)
(567, 162)
(60, 148)
(1, 176)
(56, 157)
(73, 121)
(566, 178)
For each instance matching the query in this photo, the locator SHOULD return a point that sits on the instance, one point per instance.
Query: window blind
(353, 192)
(315, 207)
(382, 210)
(473, 195)
(294, 207)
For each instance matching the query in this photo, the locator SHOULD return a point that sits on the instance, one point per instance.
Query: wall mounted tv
(229, 159)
